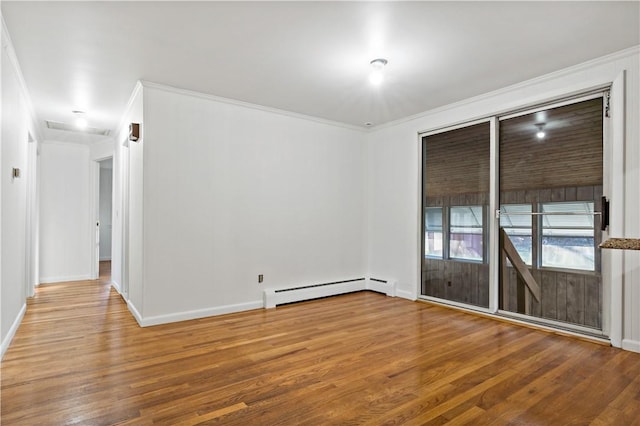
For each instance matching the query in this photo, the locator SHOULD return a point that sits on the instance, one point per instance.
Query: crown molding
(7, 46)
(191, 93)
(602, 60)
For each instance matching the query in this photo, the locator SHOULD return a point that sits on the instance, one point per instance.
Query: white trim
(389, 287)
(556, 325)
(116, 287)
(95, 214)
(552, 329)
(631, 345)
(585, 66)
(127, 111)
(454, 126)
(12, 331)
(458, 305)
(406, 295)
(597, 93)
(494, 222)
(32, 250)
(135, 313)
(185, 92)
(48, 280)
(195, 314)
(616, 195)
(420, 243)
(94, 196)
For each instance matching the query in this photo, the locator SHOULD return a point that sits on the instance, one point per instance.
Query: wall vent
(69, 128)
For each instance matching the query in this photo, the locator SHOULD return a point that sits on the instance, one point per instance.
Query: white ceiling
(305, 57)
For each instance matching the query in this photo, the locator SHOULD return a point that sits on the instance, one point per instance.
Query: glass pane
(551, 162)
(466, 233)
(433, 244)
(570, 220)
(433, 232)
(518, 227)
(568, 240)
(433, 219)
(455, 189)
(568, 252)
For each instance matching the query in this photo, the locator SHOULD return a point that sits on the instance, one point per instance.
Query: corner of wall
(136, 314)
(6, 341)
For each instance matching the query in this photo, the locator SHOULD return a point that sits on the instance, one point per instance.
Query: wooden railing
(508, 250)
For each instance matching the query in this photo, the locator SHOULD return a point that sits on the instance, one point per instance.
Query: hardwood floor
(80, 358)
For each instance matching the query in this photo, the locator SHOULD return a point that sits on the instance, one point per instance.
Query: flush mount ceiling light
(80, 121)
(540, 134)
(376, 76)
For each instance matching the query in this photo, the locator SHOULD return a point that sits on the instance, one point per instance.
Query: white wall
(15, 123)
(105, 204)
(231, 192)
(65, 205)
(393, 154)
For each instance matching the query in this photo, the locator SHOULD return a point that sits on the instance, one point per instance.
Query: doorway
(104, 222)
(511, 215)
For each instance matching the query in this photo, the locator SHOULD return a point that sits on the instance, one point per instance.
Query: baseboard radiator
(275, 297)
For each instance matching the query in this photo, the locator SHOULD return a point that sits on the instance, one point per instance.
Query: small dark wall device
(134, 131)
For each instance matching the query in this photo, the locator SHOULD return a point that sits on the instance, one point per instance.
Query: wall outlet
(260, 278)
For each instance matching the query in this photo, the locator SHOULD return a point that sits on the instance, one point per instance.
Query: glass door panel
(550, 178)
(455, 206)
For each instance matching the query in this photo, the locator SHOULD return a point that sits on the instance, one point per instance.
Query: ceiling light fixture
(376, 76)
(80, 121)
(540, 134)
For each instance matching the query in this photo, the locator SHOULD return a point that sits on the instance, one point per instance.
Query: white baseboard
(631, 345)
(135, 313)
(406, 295)
(116, 287)
(102, 259)
(385, 286)
(48, 280)
(195, 314)
(12, 331)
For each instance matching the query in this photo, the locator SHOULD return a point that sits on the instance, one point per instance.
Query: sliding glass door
(550, 199)
(455, 263)
(548, 174)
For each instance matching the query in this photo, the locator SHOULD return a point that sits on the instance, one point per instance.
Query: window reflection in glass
(568, 239)
(465, 240)
(433, 232)
(517, 225)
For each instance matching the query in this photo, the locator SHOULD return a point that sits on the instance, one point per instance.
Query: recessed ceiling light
(376, 76)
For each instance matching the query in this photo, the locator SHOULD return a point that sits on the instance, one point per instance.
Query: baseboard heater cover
(274, 297)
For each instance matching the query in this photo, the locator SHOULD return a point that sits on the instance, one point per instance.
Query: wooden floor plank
(363, 358)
